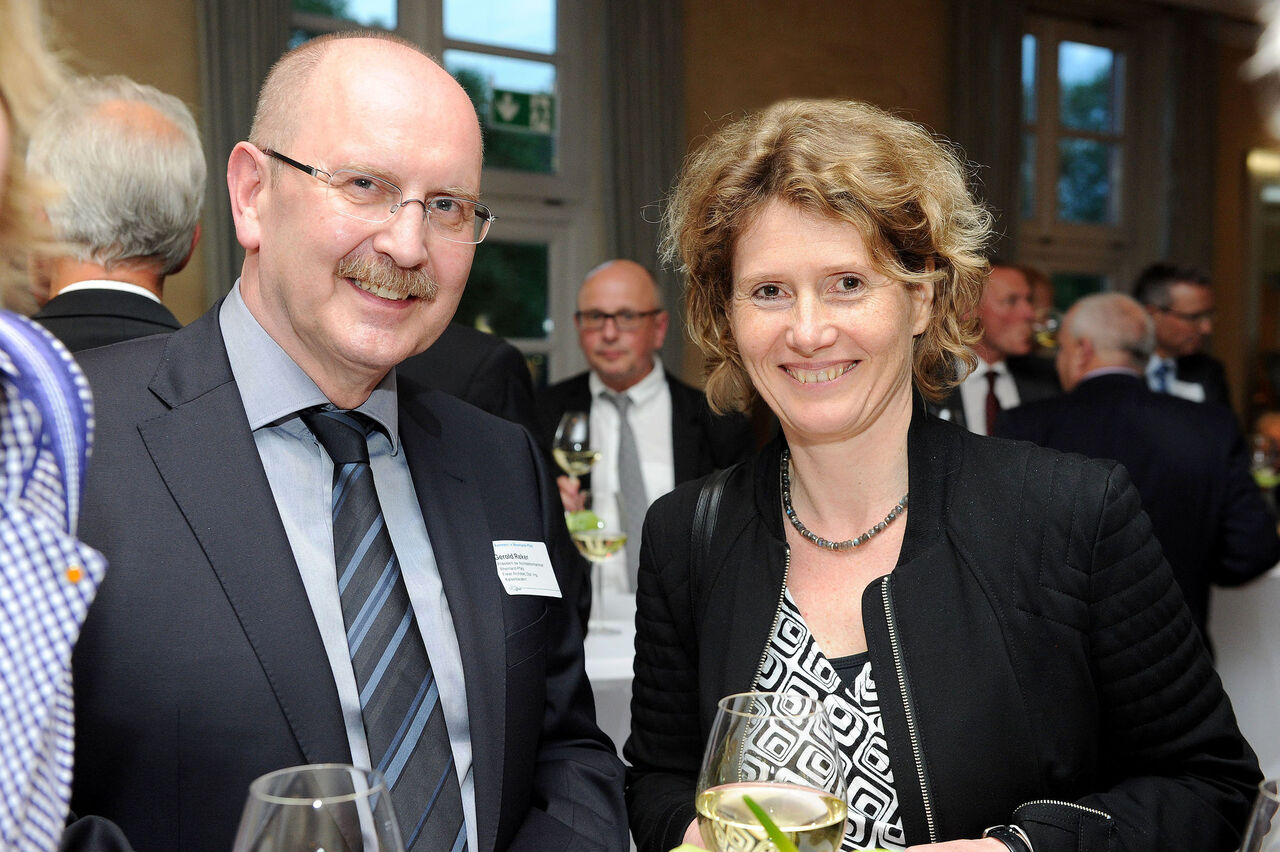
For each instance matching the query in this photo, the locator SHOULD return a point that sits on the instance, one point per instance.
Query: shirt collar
(104, 284)
(999, 368)
(641, 392)
(274, 388)
(1110, 371)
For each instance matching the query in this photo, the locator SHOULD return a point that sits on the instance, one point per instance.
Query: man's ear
(246, 179)
(660, 323)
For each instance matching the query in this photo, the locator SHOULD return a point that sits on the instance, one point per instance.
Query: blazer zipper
(777, 613)
(1084, 808)
(913, 733)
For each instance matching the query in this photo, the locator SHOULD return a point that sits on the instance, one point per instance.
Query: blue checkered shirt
(49, 578)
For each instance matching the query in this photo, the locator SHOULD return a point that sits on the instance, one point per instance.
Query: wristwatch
(1010, 835)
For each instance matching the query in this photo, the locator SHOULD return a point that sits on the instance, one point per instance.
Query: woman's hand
(986, 844)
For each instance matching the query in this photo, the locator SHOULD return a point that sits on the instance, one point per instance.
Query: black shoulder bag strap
(704, 526)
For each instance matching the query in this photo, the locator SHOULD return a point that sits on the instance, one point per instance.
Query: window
(527, 65)
(1073, 194)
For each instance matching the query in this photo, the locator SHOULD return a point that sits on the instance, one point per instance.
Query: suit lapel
(206, 454)
(454, 512)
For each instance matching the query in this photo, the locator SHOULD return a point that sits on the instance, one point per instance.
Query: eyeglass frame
(624, 320)
(481, 210)
(1194, 319)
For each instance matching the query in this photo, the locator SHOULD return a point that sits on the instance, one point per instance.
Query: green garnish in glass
(779, 839)
(583, 520)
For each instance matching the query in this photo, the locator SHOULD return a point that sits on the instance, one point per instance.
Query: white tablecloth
(1244, 624)
(610, 649)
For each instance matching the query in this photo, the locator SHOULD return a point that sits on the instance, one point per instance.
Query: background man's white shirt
(973, 393)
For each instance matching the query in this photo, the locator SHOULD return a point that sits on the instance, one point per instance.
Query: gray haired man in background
(128, 162)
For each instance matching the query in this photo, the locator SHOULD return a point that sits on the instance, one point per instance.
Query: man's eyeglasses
(357, 195)
(624, 320)
(1194, 319)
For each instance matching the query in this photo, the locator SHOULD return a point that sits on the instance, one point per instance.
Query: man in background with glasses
(1180, 300)
(313, 560)
(651, 429)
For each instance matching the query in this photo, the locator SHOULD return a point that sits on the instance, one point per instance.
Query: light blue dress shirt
(274, 389)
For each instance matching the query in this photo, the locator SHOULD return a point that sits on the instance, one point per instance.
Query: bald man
(312, 561)
(621, 325)
(128, 161)
(1188, 461)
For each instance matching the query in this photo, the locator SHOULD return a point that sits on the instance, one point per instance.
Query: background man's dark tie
(993, 402)
(403, 718)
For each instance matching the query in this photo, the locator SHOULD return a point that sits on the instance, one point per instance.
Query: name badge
(524, 567)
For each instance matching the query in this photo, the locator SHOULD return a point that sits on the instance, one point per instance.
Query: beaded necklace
(847, 544)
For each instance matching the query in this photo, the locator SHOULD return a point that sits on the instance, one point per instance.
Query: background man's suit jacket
(485, 370)
(85, 319)
(700, 440)
(1206, 371)
(1189, 463)
(1033, 375)
(200, 665)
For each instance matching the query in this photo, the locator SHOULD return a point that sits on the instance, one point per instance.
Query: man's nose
(404, 236)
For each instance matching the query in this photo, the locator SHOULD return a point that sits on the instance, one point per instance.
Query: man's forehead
(622, 291)
(1190, 291)
(1003, 284)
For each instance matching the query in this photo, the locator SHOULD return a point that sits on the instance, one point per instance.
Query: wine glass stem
(597, 586)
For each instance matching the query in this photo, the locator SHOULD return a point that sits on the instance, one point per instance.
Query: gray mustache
(384, 273)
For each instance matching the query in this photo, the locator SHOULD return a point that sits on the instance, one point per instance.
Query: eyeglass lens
(625, 320)
(371, 199)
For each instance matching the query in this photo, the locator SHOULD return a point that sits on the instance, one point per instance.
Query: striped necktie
(403, 718)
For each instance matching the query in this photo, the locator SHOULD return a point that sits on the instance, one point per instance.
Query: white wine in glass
(773, 752)
(599, 545)
(1263, 832)
(572, 446)
(326, 806)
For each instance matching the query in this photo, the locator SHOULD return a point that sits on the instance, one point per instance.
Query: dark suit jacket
(1189, 463)
(1033, 375)
(200, 665)
(485, 370)
(1206, 371)
(84, 319)
(700, 440)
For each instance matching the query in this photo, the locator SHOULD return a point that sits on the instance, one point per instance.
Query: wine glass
(598, 534)
(1044, 329)
(572, 446)
(771, 752)
(323, 807)
(1263, 832)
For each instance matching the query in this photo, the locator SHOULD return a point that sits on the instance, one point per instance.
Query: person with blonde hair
(1003, 652)
(47, 577)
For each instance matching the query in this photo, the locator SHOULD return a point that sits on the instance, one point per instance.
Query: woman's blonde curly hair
(904, 190)
(30, 77)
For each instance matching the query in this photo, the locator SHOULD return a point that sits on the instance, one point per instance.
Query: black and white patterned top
(794, 663)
